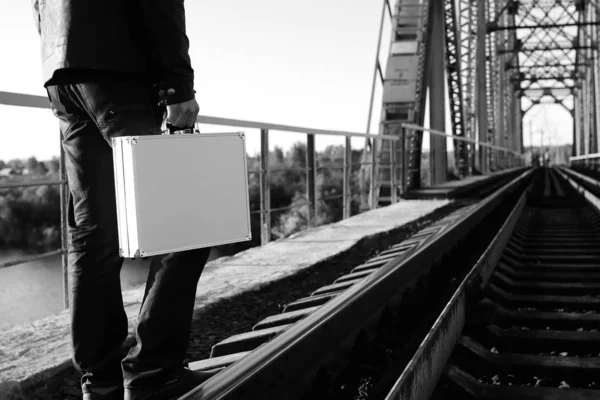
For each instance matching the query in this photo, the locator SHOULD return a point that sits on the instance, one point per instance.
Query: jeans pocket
(130, 120)
(57, 106)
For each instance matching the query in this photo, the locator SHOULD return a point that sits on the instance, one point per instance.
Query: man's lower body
(90, 115)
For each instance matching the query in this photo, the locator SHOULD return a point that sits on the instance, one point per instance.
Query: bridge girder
(557, 50)
(502, 57)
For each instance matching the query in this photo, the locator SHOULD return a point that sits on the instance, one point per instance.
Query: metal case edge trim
(245, 155)
(120, 197)
(130, 200)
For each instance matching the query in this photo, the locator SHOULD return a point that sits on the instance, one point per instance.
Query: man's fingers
(183, 115)
(179, 121)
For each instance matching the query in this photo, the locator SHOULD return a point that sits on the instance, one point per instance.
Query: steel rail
(421, 374)
(285, 366)
(588, 187)
(591, 196)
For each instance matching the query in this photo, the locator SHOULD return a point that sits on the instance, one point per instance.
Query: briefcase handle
(174, 130)
(170, 129)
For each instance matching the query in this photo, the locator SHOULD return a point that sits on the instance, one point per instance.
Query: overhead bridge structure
(464, 262)
(488, 62)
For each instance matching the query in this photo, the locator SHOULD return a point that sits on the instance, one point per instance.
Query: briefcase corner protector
(139, 253)
(127, 139)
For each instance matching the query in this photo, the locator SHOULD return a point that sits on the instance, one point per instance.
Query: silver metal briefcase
(180, 192)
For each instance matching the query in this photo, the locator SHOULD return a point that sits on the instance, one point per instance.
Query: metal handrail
(25, 100)
(35, 257)
(584, 157)
(29, 184)
(208, 120)
(33, 101)
(461, 138)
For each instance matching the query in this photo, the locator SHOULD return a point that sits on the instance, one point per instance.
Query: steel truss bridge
(500, 58)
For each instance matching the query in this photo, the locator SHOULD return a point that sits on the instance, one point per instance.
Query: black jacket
(144, 38)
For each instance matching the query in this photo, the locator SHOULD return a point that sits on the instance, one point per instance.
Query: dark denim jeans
(90, 114)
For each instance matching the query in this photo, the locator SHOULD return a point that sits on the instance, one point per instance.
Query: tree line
(30, 216)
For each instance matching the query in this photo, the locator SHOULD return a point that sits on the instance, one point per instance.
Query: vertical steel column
(417, 113)
(575, 148)
(376, 71)
(468, 21)
(265, 189)
(403, 160)
(438, 163)
(377, 66)
(374, 187)
(577, 122)
(517, 119)
(64, 239)
(592, 81)
(491, 86)
(455, 85)
(581, 116)
(500, 134)
(481, 100)
(512, 104)
(347, 210)
(596, 67)
(311, 179)
(499, 82)
(586, 112)
(501, 91)
(393, 173)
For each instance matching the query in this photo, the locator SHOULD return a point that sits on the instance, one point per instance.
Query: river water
(34, 290)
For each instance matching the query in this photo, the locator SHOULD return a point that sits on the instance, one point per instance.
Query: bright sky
(306, 63)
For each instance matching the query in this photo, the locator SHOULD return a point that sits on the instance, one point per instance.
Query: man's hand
(183, 115)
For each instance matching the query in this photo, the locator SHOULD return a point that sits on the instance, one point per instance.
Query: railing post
(497, 164)
(347, 204)
(64, 239)
(311, 179)
(265, 189)
(432, 163)
(393, 173)
(373, 184)
(403, 161)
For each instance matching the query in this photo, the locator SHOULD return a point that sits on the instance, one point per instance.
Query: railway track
(520, 320)
(320, 339)
(533, 334)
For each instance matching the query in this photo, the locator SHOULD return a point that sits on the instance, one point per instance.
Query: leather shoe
(176, 385)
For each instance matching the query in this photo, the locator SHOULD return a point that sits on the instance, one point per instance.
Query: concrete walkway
(37, 351)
